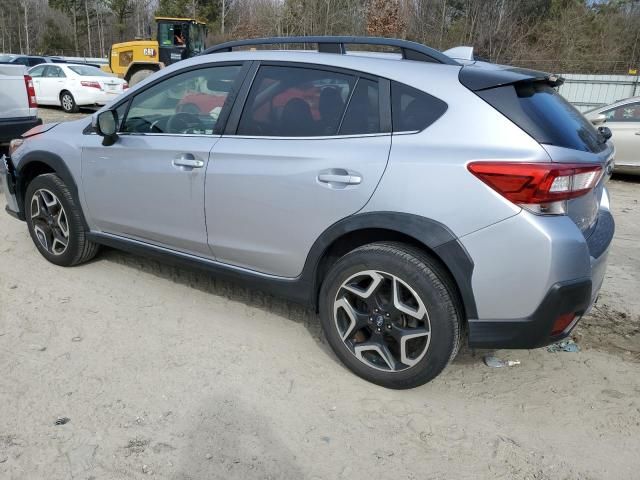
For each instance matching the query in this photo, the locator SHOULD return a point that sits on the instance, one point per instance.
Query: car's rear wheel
(55, 222)
(391, 314)
(68, 103)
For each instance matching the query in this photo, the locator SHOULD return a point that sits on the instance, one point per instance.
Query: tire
(401, 343)
(68, 103)
(47, 196)
(139, 76)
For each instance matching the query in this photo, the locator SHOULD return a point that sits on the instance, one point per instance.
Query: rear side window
(295, 102)
(542, 112)
(363, 113)
(412, 109)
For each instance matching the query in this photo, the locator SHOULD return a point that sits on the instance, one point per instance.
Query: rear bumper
(8, 182)
(535, 330)
(564, 297)
(15, 127)
(99, 97)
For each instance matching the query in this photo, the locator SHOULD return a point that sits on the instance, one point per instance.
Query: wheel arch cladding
(426, 234)
(37, 163)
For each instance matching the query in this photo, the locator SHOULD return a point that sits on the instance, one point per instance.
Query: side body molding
(304, 289)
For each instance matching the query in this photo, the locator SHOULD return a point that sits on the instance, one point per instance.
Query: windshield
(6, 58)
(196, 38)
(88, 71)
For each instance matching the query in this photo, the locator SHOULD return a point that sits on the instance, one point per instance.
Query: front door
(149, 185)
(309, 151)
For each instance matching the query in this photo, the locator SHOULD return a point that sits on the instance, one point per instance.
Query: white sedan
(623, 119)
(70, 85)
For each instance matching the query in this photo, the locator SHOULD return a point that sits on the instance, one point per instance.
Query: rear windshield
(542, 112)
(88, 71)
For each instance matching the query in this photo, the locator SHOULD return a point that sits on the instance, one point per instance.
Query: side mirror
(106, 125)
(605, 132)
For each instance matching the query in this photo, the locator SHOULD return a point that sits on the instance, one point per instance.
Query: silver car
(414, 202)
(623, 119)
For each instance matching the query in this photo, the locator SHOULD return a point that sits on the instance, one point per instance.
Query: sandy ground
(167, 373)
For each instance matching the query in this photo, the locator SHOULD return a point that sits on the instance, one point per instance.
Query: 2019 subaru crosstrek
(412, 199)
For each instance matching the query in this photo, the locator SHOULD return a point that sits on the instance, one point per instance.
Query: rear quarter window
(412, 109)
(545, 115)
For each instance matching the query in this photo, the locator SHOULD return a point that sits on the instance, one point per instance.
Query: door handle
(187, 160)
(340, 176)
(638, 132)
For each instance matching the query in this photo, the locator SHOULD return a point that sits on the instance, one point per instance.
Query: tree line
(582, 36)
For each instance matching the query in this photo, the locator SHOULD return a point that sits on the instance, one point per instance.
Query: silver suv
(414, 200)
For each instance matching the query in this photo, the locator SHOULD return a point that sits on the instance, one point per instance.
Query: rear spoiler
(481, 75)
(460, 53)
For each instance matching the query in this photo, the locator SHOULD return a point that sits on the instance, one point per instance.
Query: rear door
(51, 84)
(307, 150)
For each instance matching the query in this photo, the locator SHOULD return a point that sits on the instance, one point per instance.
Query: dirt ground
(168, 373)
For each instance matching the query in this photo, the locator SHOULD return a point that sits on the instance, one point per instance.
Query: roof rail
(336, 44)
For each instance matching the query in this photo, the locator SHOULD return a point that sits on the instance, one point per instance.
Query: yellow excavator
(176, 39)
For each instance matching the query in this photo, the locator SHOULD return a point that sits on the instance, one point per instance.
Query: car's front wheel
(55, 222)
(391, 314)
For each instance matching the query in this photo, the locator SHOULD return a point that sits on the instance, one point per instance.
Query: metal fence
(586, 92)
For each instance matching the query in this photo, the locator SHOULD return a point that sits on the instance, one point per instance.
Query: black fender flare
(55, 163)
(432, 234)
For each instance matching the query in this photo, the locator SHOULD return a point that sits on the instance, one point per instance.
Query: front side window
(187, 103)
(624, 113)
(295, 102)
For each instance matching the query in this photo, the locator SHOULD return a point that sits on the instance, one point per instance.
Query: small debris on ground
(76, 339)
(564, 346)
(62, 420)
(13, 287)
(39, 348)
(495, 362)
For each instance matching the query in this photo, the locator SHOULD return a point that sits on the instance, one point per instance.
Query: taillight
(86, 83)
(540, 187)
(31, 91)
(125, 85)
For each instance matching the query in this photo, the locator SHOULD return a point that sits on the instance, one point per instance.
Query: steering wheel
(183, 121)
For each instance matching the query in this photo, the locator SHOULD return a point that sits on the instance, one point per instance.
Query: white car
(72, 85)
(623, 119)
